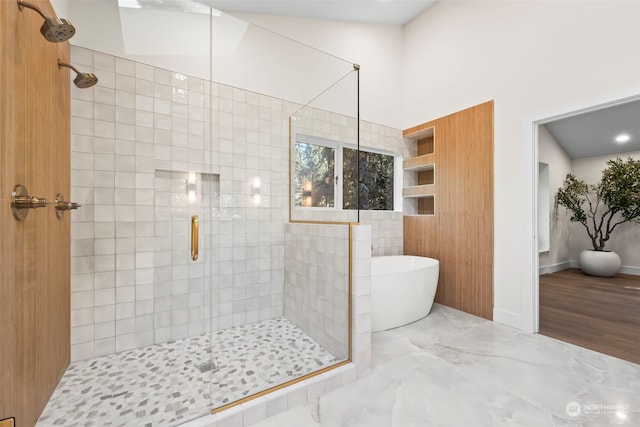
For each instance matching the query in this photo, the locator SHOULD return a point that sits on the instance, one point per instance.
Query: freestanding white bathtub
(402, 289)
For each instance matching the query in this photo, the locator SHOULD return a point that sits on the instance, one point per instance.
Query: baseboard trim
(507, 318)
(554, 268)
(635, 271)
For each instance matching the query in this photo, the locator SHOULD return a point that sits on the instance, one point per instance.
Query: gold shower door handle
(195, 225)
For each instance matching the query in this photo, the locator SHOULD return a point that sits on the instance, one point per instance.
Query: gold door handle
(195, 225)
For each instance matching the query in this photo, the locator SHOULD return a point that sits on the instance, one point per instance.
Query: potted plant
(602, 207)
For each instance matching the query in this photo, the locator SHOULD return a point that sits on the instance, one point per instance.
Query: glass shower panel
(258, 60)
(169, 34)
(192, 117)
(259, 79)
(324, 158)
(142, 168)
(185, 233)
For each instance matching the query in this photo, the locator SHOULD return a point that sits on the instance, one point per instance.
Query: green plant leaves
(601, 207)
(621, 187)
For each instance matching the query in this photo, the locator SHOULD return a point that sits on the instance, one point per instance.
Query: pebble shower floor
(171, 383)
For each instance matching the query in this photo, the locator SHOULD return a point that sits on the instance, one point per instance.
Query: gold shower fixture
(54, 29)
(82, 80)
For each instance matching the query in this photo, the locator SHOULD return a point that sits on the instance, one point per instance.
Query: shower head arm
(62, 64)
(22, 4)
(82, 80)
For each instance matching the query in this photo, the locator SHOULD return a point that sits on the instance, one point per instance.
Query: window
(314, 177)
(376, 180)
(326, 176)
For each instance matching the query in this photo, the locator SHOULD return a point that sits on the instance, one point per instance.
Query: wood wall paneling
(426, 205)
(425, 145)
(8, 133)
(426, 177)
(35, 288)
(460, 234)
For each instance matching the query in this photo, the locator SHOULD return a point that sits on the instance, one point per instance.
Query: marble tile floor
(452, 369)
(168, 384)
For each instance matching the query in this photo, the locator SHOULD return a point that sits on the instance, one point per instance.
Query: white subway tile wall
(361, 299)
(317, 283)
(132, 282)
(135, 138)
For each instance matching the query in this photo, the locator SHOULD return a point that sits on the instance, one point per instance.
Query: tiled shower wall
(131, 284)
(129, 288)
(317, 283)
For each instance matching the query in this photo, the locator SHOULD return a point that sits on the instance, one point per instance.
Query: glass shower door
(185, 230)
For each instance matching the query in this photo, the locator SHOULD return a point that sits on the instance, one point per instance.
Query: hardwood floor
(602, 314)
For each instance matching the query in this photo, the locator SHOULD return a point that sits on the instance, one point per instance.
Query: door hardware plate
(21, 202)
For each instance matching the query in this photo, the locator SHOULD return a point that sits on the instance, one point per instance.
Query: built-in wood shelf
(424, 167)
(427, 190)
(419, 163)
(422, 131)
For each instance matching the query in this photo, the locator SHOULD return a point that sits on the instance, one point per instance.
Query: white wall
(377, 48)
(625, 239)
(559, 166)
(251, 57)
(143, 35)
(536, 60)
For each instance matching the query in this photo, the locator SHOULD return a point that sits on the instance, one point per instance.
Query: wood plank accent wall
(460, 234)
(35, 253)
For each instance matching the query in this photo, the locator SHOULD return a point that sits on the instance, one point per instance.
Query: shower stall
(198, 282)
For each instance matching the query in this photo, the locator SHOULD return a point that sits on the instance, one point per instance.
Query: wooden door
(34, 253)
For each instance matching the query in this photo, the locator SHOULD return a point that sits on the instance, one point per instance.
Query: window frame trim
(338, 147)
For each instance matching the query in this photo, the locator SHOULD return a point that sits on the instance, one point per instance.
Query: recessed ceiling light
(622, 138)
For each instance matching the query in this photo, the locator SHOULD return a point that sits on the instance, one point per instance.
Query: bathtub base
(402, 290)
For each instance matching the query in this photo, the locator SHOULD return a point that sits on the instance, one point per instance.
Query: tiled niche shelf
(424, 165)
(419, 163)
(426, 190)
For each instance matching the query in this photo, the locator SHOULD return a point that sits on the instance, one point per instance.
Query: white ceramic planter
(600, 263)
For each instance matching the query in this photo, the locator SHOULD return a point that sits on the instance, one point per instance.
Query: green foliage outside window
(314, 174)
(376, 180)
(315, 178)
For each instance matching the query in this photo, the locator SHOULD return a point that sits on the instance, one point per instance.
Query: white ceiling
(593, 133)
(396, 12)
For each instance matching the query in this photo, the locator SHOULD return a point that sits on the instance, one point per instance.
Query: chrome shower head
(82, 80)
(54, 30)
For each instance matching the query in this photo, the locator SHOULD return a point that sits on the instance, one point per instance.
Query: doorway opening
(593, 312)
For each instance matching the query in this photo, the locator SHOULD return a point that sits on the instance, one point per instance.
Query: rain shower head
(54, 30)
(82, 80)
